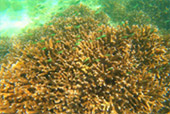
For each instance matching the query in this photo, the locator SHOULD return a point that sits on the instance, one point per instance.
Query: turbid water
(85, 56)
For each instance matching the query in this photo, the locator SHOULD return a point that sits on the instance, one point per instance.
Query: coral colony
(77, 63)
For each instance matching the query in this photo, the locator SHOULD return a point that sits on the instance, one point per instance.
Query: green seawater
(18, 14)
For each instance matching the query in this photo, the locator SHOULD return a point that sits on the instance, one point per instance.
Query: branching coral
(115, 9)
(57, 20)
(157, 10)
(5, 46)
(80, 65)
(138, 17)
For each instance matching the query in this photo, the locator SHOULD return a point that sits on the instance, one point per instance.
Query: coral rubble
(79, 64)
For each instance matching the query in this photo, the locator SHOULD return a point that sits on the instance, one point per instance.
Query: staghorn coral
(166, 42)
(115, 9)
(80, 11)
(157, 10)
(79, 65)
(138, 17)
(5, 46)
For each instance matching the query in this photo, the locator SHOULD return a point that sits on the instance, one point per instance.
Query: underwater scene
(84, 56)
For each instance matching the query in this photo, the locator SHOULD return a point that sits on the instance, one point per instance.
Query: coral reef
(80, 11)
(138, 17)
(5, 46)
(79, 64)
(166, 42)
(115, 9)
(157, 10)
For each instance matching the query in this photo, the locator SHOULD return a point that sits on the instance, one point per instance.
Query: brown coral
(5, 45)
(82, 66)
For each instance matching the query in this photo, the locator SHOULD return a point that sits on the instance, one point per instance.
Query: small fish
(58, 41)
(60, 14)
(152, 55)
(60, 8)
(167, 21)
(99, 24)
(98, 38)
(77, 2)
(60, 52)
(78, 26)
(150, 5)
(34, 42)
(128, 72)
(78, 43)
(136, 6)
(88, 64)
(41, 24)
(148, 20)
(131, 34)
(76, 13)
(49, 60)
(91, 40)
(103, 36)
(69, 25)
(98, 11)
(122, 22)
(99, 30)
(78, 36)
(97, 60)
(79, 40)
(161, 68)
(111, 68)
(74, 48)
(124, 37)
(50, 23)
(52, 34)
(152, 30)
(107, 55)
(30, 34)
(42, 40)
(44, 48)
(86, 59)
